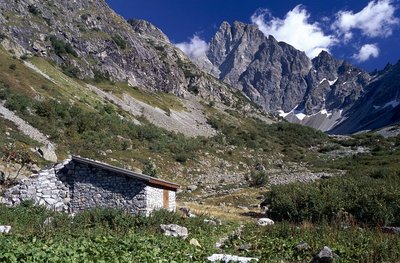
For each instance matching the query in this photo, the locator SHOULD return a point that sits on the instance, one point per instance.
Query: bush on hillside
(62, 48)
(258, 178)
(121, 43)
(373, 198)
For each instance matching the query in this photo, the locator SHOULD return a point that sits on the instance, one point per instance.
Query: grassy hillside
(80, 122)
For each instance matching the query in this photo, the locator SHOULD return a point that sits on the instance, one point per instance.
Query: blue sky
(366, 33)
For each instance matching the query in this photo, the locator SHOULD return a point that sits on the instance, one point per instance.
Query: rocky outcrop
(89, 40)
(146, 28)
(379, 107)
(282, 79)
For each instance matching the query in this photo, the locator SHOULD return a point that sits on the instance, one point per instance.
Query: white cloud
(366, 52)
(375, 20)
(295, 29)
(196, 48)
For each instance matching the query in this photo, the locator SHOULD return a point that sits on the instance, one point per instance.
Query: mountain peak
(145, 27)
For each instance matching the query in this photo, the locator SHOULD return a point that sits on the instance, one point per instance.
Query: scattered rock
(174, 230)
(48, 152)
(5, 229)
(186, 212)
(234, 235)
(245, 247)
(34, 168)
(191, 188)
(326, 255)
(391, 230)
(302, 246)
(194, 242)
(230, 258)
(210, 222)
(265, 222)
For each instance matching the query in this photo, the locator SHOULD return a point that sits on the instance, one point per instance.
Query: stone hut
(78, 183)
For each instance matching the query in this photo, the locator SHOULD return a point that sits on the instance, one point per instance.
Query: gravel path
(23, 126)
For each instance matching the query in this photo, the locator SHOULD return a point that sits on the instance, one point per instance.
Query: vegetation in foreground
(107, 235)
(368, 194)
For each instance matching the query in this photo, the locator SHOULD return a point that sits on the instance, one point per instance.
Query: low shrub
(371, 199)
(258, 178)
(61, 48)
(121, 43)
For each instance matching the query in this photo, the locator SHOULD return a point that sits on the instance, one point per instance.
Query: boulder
(48, 152)
(191, 188)
(265, 222)
(230, 258)
(326, 255)
(5, 229)
(174, 230)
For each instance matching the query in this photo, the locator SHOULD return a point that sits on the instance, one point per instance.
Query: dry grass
(244, 197)
(226, 213)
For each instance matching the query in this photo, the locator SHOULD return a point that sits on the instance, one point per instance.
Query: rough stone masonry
(77, 184)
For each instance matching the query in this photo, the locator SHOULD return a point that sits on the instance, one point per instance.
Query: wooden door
(166, 199)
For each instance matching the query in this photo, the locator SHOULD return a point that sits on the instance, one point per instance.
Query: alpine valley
(279, 157)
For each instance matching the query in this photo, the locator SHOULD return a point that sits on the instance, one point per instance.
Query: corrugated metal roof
(111, 168)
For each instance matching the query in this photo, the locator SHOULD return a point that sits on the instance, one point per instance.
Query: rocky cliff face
(280, 78)
(89, 40)
(379, 107)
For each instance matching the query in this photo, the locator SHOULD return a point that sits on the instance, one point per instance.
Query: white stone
(5, 229)
(230, 258)
(174, 230)
(265, 222)
(51, 201)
